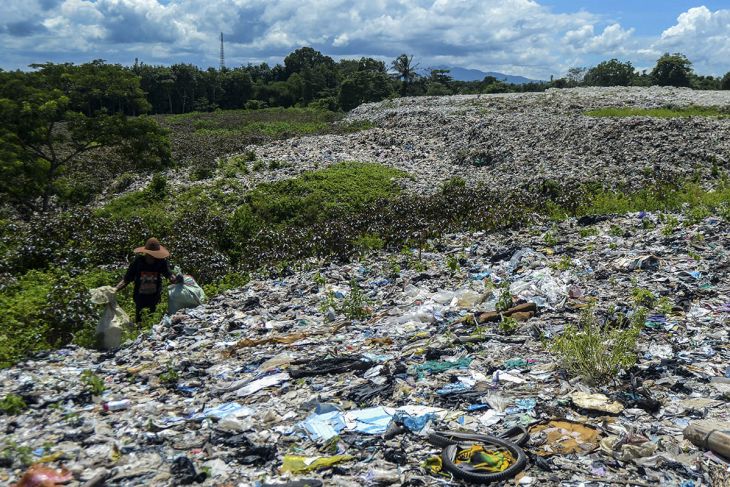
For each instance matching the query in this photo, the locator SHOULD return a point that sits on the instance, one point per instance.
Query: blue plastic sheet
(371, 421)
(322, 427)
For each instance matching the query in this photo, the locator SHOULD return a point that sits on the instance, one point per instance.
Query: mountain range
(466, 74)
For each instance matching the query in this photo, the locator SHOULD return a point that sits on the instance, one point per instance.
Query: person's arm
(128, 276)
(168, 273)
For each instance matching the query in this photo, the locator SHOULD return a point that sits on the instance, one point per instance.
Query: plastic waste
(111, 325)
(43, 476)
(185, 294)
(596, 402)
(299, 464)
(117, 405)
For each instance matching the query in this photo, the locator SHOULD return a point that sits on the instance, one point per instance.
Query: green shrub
(597, 352)
(12, 404)
(93, 383)
(368, 243)
(355, 306)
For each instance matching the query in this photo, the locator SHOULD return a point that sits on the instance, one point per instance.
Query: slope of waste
(336, 374)
(521, 139)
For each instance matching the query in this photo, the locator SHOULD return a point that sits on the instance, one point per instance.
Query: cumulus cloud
(516, 36)
(703, 36)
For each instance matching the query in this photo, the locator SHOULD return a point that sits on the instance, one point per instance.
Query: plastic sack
(112, 322)
(185, 294)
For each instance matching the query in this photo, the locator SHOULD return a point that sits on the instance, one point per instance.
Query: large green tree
(610, 73)
(672, 70)
(51, 117)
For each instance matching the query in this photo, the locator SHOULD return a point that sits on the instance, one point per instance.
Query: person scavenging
(146, 272)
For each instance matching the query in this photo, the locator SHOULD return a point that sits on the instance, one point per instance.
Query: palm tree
(405, 70)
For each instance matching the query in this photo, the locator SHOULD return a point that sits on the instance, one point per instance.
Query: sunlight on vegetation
(694, 111)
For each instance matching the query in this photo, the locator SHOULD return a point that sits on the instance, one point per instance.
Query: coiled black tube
(450, 441)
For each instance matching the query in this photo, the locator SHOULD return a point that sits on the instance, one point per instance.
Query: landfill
(273, 384)
(510, 139)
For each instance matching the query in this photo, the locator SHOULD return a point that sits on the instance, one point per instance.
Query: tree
(45, 128)
(576, 76)
(364, 87)
(610, 73)
(672, 70)
(405, 71)
(725, 83)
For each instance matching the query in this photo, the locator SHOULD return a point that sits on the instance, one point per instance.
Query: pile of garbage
(498, 140)
(367, 373)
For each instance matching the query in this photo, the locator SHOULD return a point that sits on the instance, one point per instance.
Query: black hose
(450, 441)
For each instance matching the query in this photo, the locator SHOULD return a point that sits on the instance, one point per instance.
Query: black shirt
(147, 278)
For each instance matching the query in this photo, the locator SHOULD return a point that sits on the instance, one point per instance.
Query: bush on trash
(597, 352)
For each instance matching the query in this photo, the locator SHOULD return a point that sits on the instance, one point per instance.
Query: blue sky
(534, 38)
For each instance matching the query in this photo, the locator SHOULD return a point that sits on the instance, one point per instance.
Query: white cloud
(703, 36)
(515, 36)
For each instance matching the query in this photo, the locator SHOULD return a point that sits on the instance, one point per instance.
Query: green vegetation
(504, 302)
(452, 263)
(93, 383)
(12, 404)
(597, 352)
(315, 196)
(508, 325)
(170, 377)
(658, 198)
(659, 112)
(643, 297)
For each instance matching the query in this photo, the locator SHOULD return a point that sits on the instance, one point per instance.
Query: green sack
(185, 294)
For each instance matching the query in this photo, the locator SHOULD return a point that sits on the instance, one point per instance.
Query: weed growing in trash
(508, 325)
(320, 214)
(664, 306)
(564, 264)
(505, 297)
(12, 404)
(355, 306)
(694, 255)
(597, 352)
(93, 383)
(643, 297)
(452, 263)
(14, 452)
(170, 376)
(588, 232)
(550, 237)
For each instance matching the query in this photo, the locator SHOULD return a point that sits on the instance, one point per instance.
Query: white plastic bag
(185, 294)
(112, 323)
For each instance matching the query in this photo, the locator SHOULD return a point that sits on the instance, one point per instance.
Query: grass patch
(315, 196)
(660, 198)
(694, 111)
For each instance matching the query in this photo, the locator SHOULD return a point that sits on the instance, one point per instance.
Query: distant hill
(464, 74)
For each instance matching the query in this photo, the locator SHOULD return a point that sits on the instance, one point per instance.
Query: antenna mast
(223, 59)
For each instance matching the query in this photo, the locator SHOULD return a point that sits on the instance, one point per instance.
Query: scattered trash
(223, 392)
(596, 402)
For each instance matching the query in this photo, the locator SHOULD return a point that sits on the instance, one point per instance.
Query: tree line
(670, 70)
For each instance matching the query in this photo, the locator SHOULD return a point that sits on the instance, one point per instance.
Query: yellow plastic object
(433, 464)
(297, 464)
(488, 460)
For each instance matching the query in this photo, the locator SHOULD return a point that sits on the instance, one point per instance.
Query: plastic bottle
(117, 405)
